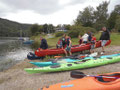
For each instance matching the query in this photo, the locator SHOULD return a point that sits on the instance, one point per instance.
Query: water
(12, 51)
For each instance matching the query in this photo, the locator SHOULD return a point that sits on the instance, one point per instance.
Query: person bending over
(43, 44)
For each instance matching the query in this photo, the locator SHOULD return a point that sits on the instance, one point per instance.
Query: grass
(115, 37)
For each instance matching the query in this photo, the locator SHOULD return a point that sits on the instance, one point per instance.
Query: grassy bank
(52, 41)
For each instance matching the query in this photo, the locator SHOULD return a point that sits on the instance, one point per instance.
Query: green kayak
(74, 65)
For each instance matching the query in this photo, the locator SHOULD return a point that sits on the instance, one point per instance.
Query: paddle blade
(57, 56)
(77, 74)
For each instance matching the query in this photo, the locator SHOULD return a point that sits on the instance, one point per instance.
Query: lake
(12, 51)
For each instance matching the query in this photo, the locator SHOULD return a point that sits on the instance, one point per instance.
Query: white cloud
(46, 11)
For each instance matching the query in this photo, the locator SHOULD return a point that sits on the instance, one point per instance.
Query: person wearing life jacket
(68, 46)
(59, 43)
(93, 43)
(64, 41)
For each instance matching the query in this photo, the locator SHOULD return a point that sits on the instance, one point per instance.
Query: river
(12, 51)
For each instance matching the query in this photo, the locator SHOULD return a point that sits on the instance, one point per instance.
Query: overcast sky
(46, 11)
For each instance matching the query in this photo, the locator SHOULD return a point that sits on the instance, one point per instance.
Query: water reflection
(11, 52)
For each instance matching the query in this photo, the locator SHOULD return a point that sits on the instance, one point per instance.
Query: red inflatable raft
(75, 48)
(89, 83)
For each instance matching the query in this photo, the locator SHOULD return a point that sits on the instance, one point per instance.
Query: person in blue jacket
(43, 44)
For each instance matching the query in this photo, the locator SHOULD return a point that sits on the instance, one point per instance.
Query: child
(93, 43)
(59, 43)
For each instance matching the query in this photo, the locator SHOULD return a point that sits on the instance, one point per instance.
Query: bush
(58, 34)
(77, 29)
(73, 33)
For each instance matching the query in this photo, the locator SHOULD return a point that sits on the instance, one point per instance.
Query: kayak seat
(55, 66)
(105, 80)
(84, 60)
(96, 56)
(43, 87)
(69, 64)
(54, 61)
(109, 58)
(78, 62)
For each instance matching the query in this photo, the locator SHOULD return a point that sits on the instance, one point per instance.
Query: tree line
(99, 17)
(90, 19)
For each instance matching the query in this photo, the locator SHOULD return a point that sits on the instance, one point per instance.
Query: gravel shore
(16, 78)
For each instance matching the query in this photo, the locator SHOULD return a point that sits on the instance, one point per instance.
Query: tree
(86, 17)
(34, 29)
(45, 28)
(101, 15)
(40, 28)
(117, 24)
(113, 17)
(67, 26)
(51, 28)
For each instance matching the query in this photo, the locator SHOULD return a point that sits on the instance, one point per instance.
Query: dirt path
(17, 79)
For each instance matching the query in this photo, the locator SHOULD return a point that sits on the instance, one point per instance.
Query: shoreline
(15, 78)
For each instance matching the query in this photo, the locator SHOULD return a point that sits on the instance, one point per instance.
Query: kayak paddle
(76, 74)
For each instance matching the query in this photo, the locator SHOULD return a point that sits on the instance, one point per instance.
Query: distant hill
(13, 29)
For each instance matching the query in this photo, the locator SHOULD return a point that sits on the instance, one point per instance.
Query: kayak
(75, 65)
(75, 48)
(28, 42)
(89, 83)
(65, 60)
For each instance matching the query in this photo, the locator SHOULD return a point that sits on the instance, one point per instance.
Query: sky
(47, 11)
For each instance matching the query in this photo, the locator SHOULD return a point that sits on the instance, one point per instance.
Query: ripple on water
(11, 53)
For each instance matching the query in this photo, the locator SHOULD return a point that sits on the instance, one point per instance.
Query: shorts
(85, 42)
(103, 42)
(92, 46)
(68, 48)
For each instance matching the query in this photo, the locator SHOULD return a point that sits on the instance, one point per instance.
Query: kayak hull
(75, 48)
(88, 83)
(74, 65)
(50, 63)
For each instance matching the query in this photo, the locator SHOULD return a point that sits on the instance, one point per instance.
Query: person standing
(85, 38)
(43, 44)
(68, 47)
(64, 41)
(93, 43)
(89, 36)
(105, 36)
(80, 39)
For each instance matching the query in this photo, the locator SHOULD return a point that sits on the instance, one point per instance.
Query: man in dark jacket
(43, 44)
(105, 36)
